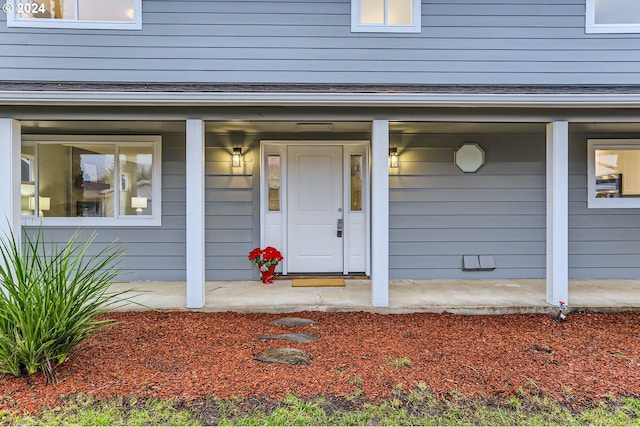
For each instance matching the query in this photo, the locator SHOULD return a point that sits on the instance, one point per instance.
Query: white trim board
(316, 99)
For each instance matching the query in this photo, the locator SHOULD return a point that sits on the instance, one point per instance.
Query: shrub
(50, 298)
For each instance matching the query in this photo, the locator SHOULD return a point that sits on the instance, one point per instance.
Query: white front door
(314, 208)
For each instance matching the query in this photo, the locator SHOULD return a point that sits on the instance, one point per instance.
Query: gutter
(315, 99)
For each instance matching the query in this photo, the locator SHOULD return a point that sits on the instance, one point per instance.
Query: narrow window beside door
(356, 182)
(274, 183)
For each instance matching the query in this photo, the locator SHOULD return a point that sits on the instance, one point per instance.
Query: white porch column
(380, 214)
(10, 177)
(557, 212)
(195, 214)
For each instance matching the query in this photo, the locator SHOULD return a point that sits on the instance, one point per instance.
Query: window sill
(613, 29)
(614, 203)
(78, 222)
(385, 29)
(80, 25)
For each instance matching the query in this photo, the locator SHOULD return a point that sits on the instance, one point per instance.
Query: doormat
(302, 283)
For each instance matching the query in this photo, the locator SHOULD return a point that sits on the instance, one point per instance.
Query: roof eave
(289, 98)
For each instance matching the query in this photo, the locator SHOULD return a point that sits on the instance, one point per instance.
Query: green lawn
(419, 407)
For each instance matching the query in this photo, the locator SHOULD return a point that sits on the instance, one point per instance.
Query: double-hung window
(91, 180)
(613, 16)
(390, 16)
(613, 173)
(100, 14)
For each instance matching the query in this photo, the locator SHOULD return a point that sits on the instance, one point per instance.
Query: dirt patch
(190, 356)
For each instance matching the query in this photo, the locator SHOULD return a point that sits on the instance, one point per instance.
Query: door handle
(340, 227)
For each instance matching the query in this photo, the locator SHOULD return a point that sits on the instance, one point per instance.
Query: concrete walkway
(405, 296)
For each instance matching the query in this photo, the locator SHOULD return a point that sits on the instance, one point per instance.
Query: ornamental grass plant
(50, 297)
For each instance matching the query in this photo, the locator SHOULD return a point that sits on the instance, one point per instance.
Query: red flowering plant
(266, 259)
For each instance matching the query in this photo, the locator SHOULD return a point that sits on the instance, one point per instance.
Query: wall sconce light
(393, 157)
(44, 204)
(139, 203)
(236, 157)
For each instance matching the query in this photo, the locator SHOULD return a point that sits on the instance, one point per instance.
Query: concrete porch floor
(405, 296)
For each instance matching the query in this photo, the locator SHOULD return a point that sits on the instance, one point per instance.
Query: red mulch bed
(186, 356)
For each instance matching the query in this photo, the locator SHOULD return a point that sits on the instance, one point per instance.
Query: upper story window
(613, 16)
(73, 180)
(613, 173)
(100, 14)
(390, 16)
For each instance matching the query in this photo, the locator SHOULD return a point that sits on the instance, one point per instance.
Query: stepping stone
(285, 355)
(543, 348)
(292, 322)
(299, 338)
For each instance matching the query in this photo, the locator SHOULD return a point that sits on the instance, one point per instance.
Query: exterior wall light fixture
(236, 157)
(393, 158)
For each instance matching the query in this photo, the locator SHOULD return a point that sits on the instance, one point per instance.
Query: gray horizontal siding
(603, 243)
(229, 209)
(438, 213)
(310, 41)
(469, 208)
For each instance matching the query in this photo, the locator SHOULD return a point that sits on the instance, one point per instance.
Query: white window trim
(358, 27)
(592, 27)
(14, 20)
(155, 219)
(608, 144)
